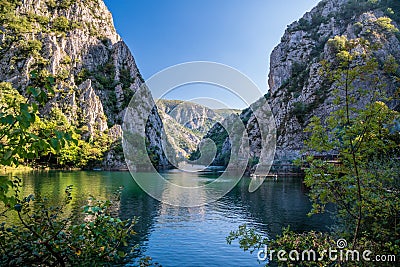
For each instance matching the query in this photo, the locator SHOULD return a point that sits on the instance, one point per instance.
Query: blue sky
(238, 33)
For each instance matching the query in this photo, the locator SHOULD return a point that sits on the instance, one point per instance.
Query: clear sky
(239, 33)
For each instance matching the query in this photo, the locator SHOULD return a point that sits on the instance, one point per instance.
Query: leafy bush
(32, 47)
(82, 76)
(359, 186)
(46, 236)
(26, 142)
(61, 24)
(320, 243)
(51, 3)
(386, 24)
(66, 60)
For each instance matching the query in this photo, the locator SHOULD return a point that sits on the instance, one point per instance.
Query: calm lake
(175, 236)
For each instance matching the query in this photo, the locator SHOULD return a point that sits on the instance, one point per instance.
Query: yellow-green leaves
(339, 42)
(386, 24)
(61, 24)
(391, 66)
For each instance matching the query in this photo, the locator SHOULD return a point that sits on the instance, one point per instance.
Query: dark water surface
(175, 236)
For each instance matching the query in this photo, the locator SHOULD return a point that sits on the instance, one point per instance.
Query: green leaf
(9, 119)
(27, 115)
(51, 80)
(59, 134)
(8, 155)
(34, 91)
(54, 143)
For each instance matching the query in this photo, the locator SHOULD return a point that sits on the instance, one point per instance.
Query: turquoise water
(175, 236)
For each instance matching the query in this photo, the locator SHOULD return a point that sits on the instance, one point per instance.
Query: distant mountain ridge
(186, 122)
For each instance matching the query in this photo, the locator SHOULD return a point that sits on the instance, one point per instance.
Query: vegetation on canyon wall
(82, 152)
(37, 129)
(351, 88)
(61, 143)
(94, 76)
(363, 182)
(46, 234)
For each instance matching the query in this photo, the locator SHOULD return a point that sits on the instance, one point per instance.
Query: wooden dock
(269, 175)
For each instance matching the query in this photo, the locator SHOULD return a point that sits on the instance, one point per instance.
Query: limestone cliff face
(297, 90)
(190, 115)
(75, 41)
(182, 140)
(186, 122)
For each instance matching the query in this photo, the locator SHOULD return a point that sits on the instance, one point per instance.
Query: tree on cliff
(364, 182)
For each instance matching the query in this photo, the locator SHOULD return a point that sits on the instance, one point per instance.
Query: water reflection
(195, 236)
(276, 204)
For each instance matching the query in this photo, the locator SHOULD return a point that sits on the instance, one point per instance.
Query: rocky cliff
(186, 122)
(256, 116)
(190, 115)
(76, 43)
(182, 140)
(297, 90)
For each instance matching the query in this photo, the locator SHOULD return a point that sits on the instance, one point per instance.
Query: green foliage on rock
(126, 80)
(218, 135)
(61, 24)
(59, 4)
(386, 24)
(82, 76)
(301, 110)
(105, 75)
(353, 7)
(66, 60)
